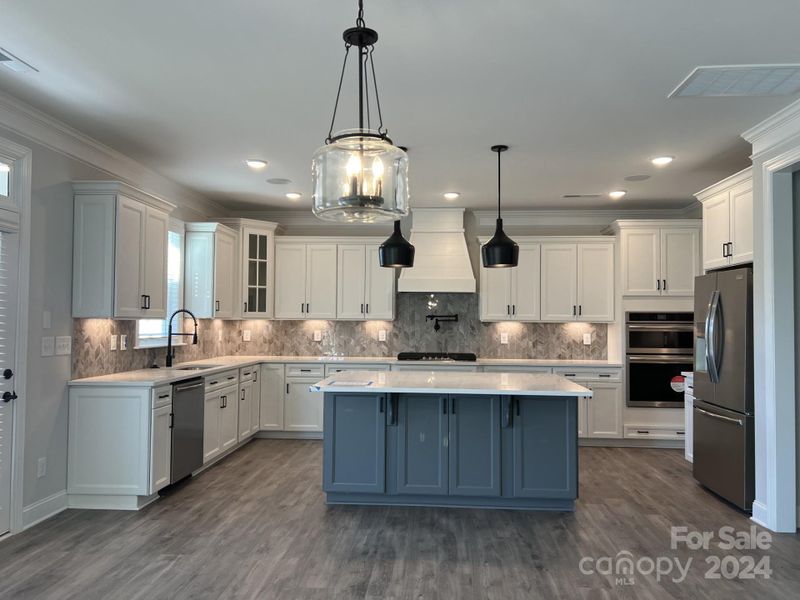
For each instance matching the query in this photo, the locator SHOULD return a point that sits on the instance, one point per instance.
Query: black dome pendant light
(500, 251)
(396, 252)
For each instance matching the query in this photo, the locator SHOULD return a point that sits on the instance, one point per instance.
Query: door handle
(9, 396)
(580, 309)
(382, 400)
(513, 309)
(710, 334)
(287, 388)
(367, 307)
(245, 307)
(574, 310)
(216, 305)
(8, 373)
(308, 308)
(302, 307)
(720, 417)
(144, 302)
(508, 309)
(658, 284)
(444, 405)
(665, 285)
(453, 405)
(362, 308)
(171, 420)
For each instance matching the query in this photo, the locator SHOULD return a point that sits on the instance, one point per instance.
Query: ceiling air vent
(9, 61)
(581, 196)
(739, 81)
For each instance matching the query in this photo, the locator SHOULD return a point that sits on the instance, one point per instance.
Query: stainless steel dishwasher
(187, 428)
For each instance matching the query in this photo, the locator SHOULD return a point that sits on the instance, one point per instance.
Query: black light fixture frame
(501, 251)
(363, 38)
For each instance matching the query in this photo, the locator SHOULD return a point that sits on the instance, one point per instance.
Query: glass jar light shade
(360, 177)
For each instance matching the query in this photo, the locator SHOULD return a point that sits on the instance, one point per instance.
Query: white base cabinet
(302, 408)
(119, 446)
(600, 416)
(221, 414)
(272, 397)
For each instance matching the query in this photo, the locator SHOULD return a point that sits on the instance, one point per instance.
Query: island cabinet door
(355, 443)
(545, 447)
(422, 422)
(474, 446)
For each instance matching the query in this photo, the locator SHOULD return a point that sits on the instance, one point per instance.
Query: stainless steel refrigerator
(724, 456)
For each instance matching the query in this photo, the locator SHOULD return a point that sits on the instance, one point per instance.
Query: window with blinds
(153, 332)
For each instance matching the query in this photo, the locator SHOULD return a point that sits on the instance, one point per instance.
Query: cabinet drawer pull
(580, 309)
(513, 309)
(658, 284)
(287, 388)
(367, 307)
(382, 399)
(574, 310)
(302, 307)
(216, 305)
(231, 377)
(444, 406)
(245, 307)
(604, 375)
(144, 302)
(162, 396)
(362, 307)
(665, 285)
(308, 308)
(642, 431)
(453, 405)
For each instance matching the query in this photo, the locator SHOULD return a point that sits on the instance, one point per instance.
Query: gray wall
(796, 186)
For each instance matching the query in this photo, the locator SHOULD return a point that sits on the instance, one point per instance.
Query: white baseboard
(45, 508)
(760, 514)
(290, 435)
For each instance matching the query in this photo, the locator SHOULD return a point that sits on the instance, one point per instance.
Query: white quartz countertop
(164, 376)
(444, 382)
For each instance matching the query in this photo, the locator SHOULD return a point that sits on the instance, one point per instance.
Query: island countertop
(438, 382)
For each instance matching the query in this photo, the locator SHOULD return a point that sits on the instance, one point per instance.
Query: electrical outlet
(112, 342)
(503, 337)
(317, 335)
(381, 335)
(41, 467)
(48, 345)
(219, 335)
(246, 336)
(63, 345)
(587, 339)
(123, 342)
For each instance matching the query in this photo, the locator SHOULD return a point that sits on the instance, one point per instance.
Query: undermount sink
(196, 367)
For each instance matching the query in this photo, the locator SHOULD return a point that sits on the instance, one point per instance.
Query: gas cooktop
(454, 356)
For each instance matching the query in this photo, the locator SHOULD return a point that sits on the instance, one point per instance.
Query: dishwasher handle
(191, 386)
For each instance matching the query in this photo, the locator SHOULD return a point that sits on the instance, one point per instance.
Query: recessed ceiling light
(294, 195)
(279, 181)
(4, 168)
(617, 194)
(661, 161)
(451, 195)
(255, 163)
(637, 178)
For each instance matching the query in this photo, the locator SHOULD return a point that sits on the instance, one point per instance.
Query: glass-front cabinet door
(257, 249)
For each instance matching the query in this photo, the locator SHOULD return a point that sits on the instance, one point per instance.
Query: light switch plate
(246, 336)
(48, 345)
(503, 337)
(587, 339)
(63, 345)
(317, 335)
(123, 342)
(381, 335)
(112, 342)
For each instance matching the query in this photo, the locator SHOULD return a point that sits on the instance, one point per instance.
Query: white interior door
(9, 245)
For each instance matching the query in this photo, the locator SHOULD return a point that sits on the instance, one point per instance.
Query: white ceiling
(577, 88)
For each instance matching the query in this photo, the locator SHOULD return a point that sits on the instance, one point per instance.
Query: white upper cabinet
(365, 290)
(513, 294)
(595, 282)
(210, 267)
(578, 282)
(659, 258)
(305, 280)
(253, 279)
(120, 237)
(728, 221)
(559, 282)
(319, 278)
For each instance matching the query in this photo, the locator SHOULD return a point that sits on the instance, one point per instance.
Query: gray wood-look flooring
(256, 526)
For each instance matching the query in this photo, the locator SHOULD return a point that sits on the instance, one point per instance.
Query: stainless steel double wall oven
(659, 347)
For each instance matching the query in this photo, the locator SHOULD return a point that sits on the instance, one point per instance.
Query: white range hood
(441, 262)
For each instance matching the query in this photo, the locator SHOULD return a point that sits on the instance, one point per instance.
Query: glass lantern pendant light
(359, 175)
(501, 250)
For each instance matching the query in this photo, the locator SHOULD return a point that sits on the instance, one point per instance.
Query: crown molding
(773, 130)
(726, 183)
(289, 219)
(43, 129)
(598, 217)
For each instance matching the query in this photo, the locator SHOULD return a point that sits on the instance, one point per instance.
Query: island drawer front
(590, 375)
(305, 370)
(220, 380)
(161, 397)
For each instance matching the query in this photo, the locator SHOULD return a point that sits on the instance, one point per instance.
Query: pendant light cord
(360, 18)
(498, 184)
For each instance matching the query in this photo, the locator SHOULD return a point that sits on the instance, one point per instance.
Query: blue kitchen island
(435, 438)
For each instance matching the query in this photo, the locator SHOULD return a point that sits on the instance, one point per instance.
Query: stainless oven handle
(661, 359)
(720, 417)
(711, 332)
(660, 327)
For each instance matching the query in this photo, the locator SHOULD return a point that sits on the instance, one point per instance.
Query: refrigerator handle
(712, 362)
